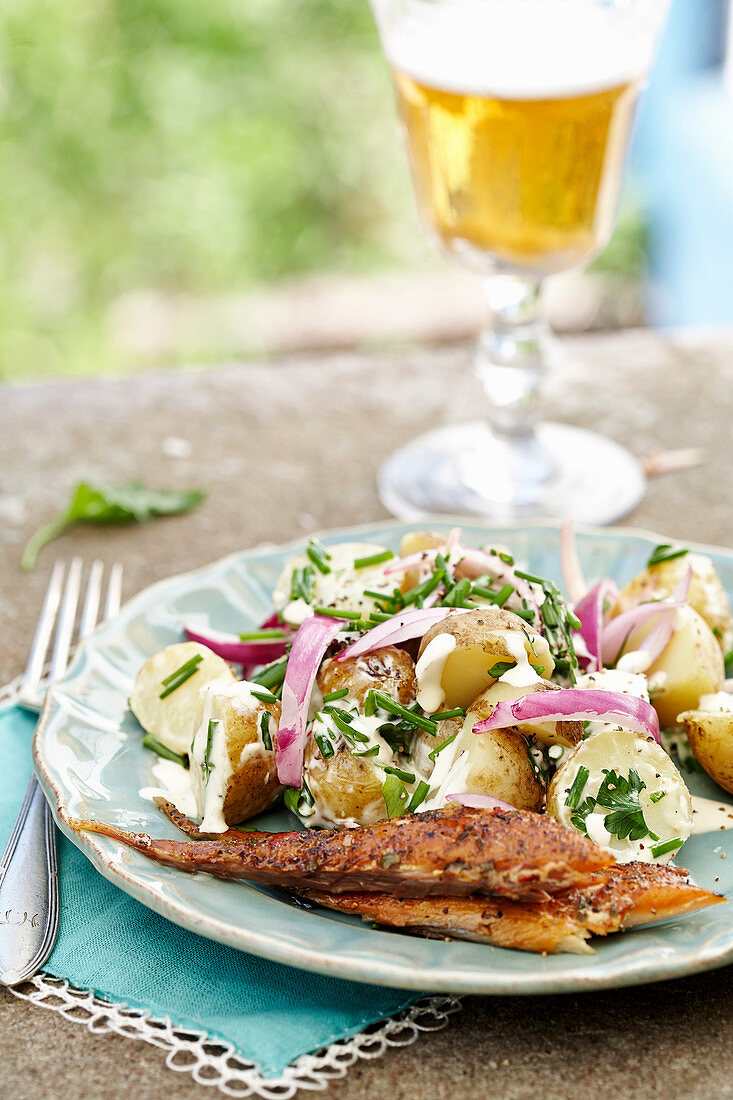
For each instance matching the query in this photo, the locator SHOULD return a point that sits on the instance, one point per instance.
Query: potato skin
(347, 789)
(390, 670)
(692, 664)
(253, 785)
(566, 734)
(499, 766)
(706, 595)
(710, 734)
(481, 641)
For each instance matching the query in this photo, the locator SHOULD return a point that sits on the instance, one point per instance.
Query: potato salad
(393, 681)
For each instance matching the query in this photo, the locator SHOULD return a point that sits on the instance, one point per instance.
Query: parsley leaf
(131, 503)
(621, 797)
(665, 552)
(395, 795)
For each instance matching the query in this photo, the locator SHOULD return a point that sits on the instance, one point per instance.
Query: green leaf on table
(132, 503)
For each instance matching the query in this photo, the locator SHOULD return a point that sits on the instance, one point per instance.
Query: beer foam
(521, 49)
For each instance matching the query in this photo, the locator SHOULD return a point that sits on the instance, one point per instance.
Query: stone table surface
(289, 446)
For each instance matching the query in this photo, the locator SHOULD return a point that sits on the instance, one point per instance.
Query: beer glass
(517, 116)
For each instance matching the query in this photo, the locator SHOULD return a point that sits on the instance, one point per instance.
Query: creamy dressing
(720, 702)
(522, 674)
(175, 786)
(429, 672)
(710, 815)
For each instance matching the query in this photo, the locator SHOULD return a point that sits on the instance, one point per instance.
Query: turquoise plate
(91, 762)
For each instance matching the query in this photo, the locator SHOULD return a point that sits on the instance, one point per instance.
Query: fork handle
(29, 890)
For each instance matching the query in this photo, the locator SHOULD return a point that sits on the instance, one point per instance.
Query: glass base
(562, 473)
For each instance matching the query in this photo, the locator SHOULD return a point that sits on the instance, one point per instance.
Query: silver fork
(29, 901)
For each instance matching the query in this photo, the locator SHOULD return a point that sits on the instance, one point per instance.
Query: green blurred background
(190, 148)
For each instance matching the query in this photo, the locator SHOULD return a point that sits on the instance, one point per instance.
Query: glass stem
(512, 356)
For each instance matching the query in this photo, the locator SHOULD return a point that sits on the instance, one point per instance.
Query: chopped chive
(418, 797)
(207, 765)
(192, 662)
(185, 672)
(258, 635)
(332, 695)
(373, 751)
(319, 555)
(158, 747)
(379, 617)
(548, 614)
(302, 584)
(370, 705)
(420, 591)
(500, 668)
(667, 845)
(440, 748)
(531, 577)
(263, 695)
(728, 662)
(265, 730)
(665, 552)
(373, 559)
(327, 749)
(525, 613)
(337, 613)
(343, 721)
(657, 796)
(406, 777)
(272, 675)
(457, 712)
(384, 702)
(577, 788)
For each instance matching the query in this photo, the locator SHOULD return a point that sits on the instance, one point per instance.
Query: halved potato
(481, 638)
(347, 789)
(710, 733)
(706, 595)
(412, 543)
(172, 720)
(233, 766)
(499, 765)
(562, 733)
(664, 801)
(691, 665)
(390, 670)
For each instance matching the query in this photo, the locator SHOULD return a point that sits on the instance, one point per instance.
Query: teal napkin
(112, 944)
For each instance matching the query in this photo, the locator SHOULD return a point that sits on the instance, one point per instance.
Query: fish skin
(455, 851)
(616, 898)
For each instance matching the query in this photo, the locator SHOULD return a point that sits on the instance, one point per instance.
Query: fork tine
(65, 627)
(91, 600)
(114, 592)
(42, 638)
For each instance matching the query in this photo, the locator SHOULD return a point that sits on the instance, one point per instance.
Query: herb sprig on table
(132, 503)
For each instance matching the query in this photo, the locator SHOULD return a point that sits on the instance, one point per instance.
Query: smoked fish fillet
(615, 898)
(454, 852)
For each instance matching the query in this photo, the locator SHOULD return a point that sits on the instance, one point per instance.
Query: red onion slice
(233, 649)
(413, 561)
(311, 642)
(575, 705)
(575, 585)
(480, 801)
(400, 628)
(615, 633)
(592, 617)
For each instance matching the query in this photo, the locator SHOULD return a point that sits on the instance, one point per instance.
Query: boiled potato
(423, 743)
(664, 801)
(562, 733)
(710, 733)
(389, 670)
(347, 789)
(233, 767)
(172, 720)
(412, 543)
(706, 595)
(691, 665)
(457, 653)
(499, 765)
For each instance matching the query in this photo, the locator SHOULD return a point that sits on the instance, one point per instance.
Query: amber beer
(532, 182)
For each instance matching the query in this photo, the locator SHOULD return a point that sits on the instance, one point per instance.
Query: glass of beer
(517, 115)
